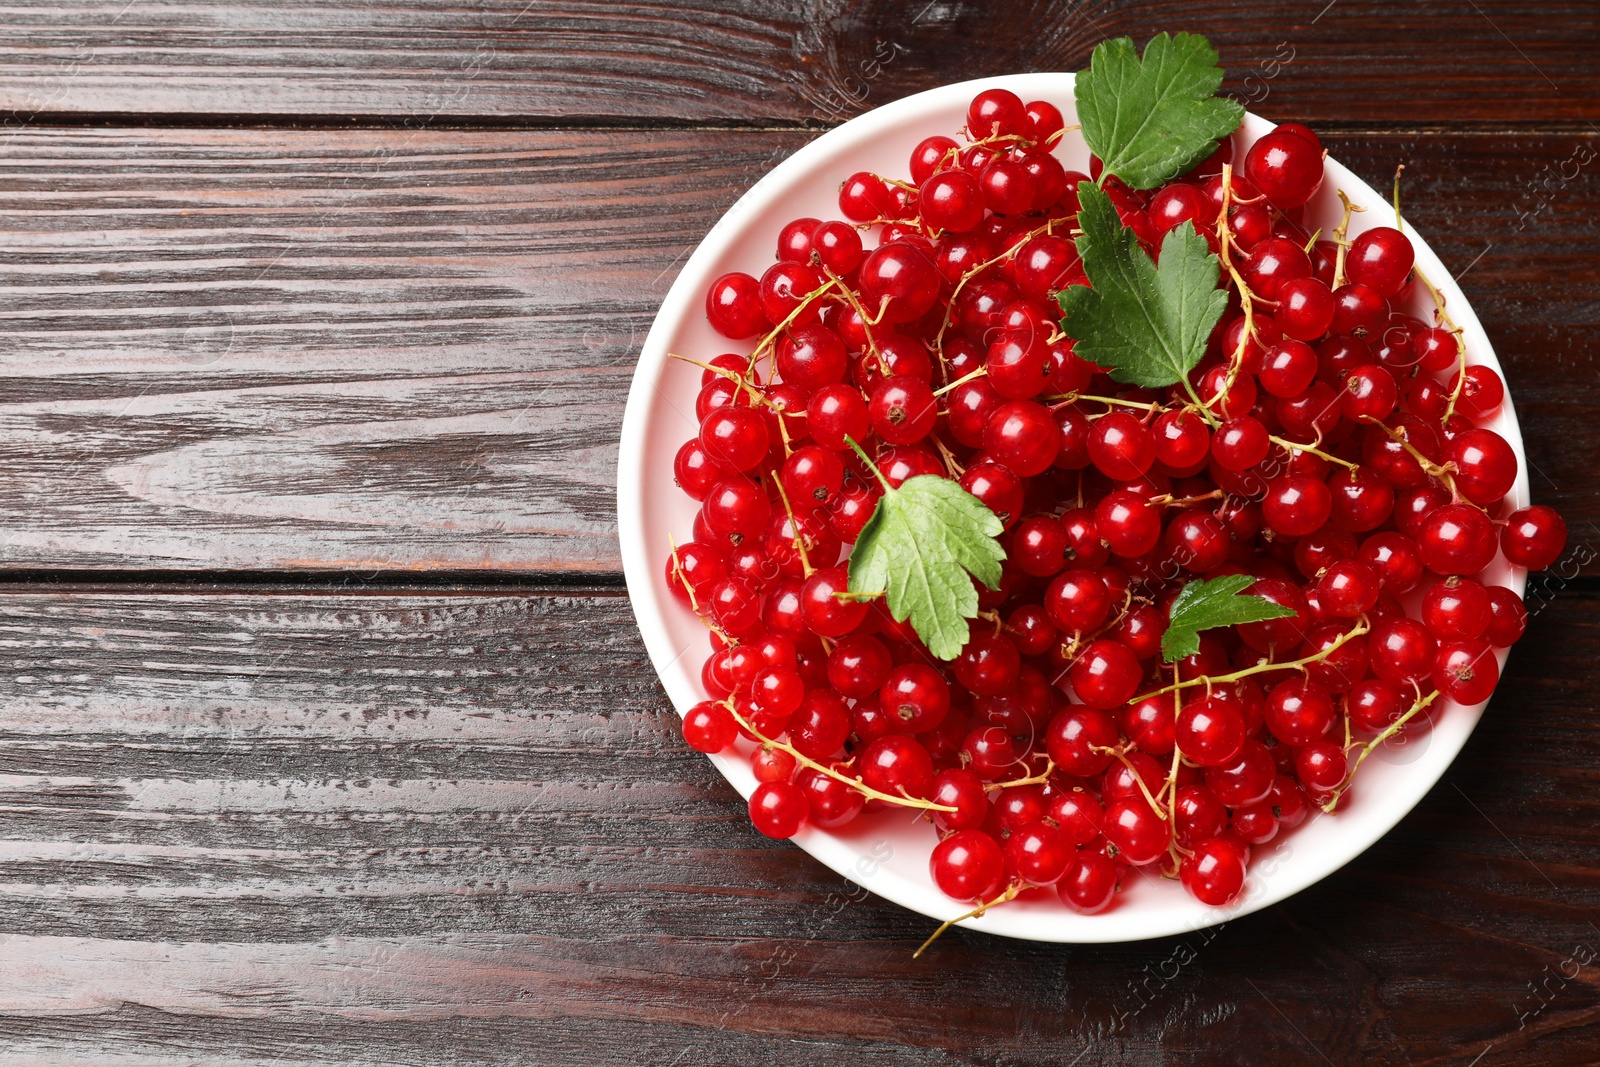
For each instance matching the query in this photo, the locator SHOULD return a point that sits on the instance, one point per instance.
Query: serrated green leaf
(918, 548)
(1205, 605)
(1150, 121)
(1146, 325)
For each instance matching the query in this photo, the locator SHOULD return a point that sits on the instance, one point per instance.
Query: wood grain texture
(254, 350)
(1500, 62)
(393, 829)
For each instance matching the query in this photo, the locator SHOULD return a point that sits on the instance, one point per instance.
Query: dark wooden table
(326, 735)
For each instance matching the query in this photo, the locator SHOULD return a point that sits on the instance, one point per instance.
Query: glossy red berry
(1105, 674)
(1214, 871)
(1466, 671)
(1285, 167)
(897, 764)
(968, 865)
(778, 809)
(733, 304)
(1090, 882)
(1138, 832)
(1210, 732)
(1077, 601)
(915, 697)
(1382, 258)
(1534, 537)
(1457, 539)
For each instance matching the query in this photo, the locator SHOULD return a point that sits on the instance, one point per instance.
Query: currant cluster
(1329, 446)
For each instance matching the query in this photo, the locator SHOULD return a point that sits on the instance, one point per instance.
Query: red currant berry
(902, 409)
(997, 113)
(988, 665)
(898, 765)
(832, 803)
(968, 865)
(1508, 617)
(1106, 674)
(1285, 167)
(1321, 767)
(1397, 558)
(1127, 523)
(1401, 651)
(1210, 732)
(1482, 394)
(1466, 671)
(1296, 505)
(778, 809)
(1248, 780)
(709, 727)
(899, 278)
(1534, 537)
(1382, 258)
(1457, 539)
(1023, 436)
(1348, 588)
(915, 697)
(1090, 882)
(733, 306)
(865, 197)
(1038, 853)
(1214, 871)
(1138, 832)
(1456, 608)
(1300, 712)
(1305, 309)
(1079, 739)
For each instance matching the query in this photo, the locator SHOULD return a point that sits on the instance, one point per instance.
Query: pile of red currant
(1328, 445)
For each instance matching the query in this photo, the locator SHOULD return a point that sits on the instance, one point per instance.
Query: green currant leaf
(1205, 605)
(918, 548)
(1146, 325)
(1151, 121)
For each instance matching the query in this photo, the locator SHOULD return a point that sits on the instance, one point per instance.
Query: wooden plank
(367, 350)
(399, 829)
(1505, 63)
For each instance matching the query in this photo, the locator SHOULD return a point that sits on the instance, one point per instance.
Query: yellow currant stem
(854, 783)
(963, 380)
(955, 469)
(1167, 500)
(1443, 473)
(1010, 894)
(756, 394)
(799, 542)
(1291, 665)
(1033, 779)
(1152, 407)
(1461, 342)
(866, 328)
(1366, 749)
(788, 320)
(694, 604)
(1340, 238)
(1122, 758)
(1296, 446)
(677, 568)
(1170, 787)
(944, 324)
(1246, 301)
(1399, 224)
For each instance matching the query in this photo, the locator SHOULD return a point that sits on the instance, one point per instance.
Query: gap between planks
(631, 124)
(327, 583)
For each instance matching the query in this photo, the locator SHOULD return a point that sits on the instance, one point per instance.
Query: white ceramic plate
(887, 853)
